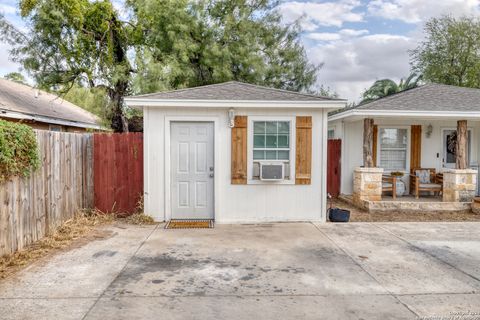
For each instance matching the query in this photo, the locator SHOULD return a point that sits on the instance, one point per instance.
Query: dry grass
(358, 215)
(138, 217)
(80, 225)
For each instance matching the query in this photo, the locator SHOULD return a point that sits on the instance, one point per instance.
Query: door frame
(216, 159)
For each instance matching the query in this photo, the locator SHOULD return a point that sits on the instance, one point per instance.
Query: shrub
(18, 150)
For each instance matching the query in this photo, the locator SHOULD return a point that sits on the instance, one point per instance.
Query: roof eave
(405, 114)
(320, 104)
(50, 120)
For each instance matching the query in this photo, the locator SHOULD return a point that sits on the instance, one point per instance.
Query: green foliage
(167, 44)
(15, 76)
(192, 43)
(386, 87)
(450, 53)
(94, 100)
(75, 42)
(18, 150)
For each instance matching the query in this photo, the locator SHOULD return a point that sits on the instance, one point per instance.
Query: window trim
(407, 155)
(292, 136)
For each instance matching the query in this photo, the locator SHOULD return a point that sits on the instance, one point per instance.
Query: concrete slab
(82, 272)
(266, 271)
(444, 306)
(45, 309)
(280, 259)
(399, 266)
(260, 307)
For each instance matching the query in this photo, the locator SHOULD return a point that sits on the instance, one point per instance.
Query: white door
(192, 170)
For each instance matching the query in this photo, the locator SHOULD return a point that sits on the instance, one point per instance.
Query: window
(55, 128)
(271, 140)
(393, 148)
(449, 140)
(331, 134)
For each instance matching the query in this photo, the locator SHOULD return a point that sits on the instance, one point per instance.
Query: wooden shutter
(416, 147)
(374, 145)
(303, 158)
(239, 150)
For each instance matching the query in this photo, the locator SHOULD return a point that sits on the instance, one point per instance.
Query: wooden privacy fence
(63, 184)
(334, 166)
(118, 171)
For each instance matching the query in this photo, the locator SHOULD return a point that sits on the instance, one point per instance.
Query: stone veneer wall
(459, 185)
(367, 185)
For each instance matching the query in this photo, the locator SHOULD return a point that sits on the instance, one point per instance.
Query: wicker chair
(429, 182)
(389, 184)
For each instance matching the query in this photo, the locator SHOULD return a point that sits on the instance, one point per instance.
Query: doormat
(189, 224)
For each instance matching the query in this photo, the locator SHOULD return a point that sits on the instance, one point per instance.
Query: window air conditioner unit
(272, 171)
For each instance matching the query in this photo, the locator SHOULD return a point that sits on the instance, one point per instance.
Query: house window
(331, 133)
(393, 149)
(271, 140)
(55, 128)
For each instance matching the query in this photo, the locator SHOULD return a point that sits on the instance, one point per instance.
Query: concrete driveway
(270, 271)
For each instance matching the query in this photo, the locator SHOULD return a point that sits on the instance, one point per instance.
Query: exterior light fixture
(231, 117)
(429, 131)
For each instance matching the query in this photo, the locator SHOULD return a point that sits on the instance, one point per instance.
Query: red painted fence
(334, 166)
(118, 171)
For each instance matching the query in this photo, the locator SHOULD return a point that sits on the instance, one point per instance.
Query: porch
(408, 204)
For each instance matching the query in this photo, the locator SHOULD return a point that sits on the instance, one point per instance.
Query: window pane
(272, 127)
(271, 142)
(393, 138)
(259, 141)
(393, 159)
(271, 155)
(284, 127)
(259, 127)
(283, 141)
(283, 155)
(258, 155)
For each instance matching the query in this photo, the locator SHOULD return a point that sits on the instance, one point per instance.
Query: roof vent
(36, 93)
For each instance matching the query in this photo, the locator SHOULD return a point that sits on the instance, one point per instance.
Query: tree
(15, 76)
(450, 53)
(94, 100)
(75, 42)
(192, 43)
(167, 44)
(386, 87)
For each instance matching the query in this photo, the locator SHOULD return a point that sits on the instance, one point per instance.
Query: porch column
(368, 143)
(461, 154)
(460, 184)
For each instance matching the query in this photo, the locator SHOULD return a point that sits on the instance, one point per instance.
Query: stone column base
(459, 185)
(367, 185)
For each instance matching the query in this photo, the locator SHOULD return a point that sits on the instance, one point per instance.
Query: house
(42, 110)
(413, 132)
(235, 152)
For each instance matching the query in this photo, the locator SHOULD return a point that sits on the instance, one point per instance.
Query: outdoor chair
(389, 184)
(425, 180)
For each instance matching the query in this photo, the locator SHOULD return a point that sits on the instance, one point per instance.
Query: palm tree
(386, 87)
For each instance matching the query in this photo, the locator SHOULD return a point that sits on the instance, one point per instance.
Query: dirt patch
(358, 215)
(72, 233)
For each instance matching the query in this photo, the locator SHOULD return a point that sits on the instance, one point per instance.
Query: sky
(357, 41)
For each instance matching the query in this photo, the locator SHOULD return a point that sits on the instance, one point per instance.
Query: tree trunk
(119, 122)
(367, 143)
(462, 140)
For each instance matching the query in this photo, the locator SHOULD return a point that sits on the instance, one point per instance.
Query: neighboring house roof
(426, 100)
(19, 101)
(233, 92)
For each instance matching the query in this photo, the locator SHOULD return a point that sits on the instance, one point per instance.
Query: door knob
(211, 175)
(211, 168)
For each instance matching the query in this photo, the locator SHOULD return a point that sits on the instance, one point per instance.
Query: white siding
(238, 203)
(352, 143)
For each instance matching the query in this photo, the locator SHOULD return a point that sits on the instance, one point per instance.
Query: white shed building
(235, 152)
